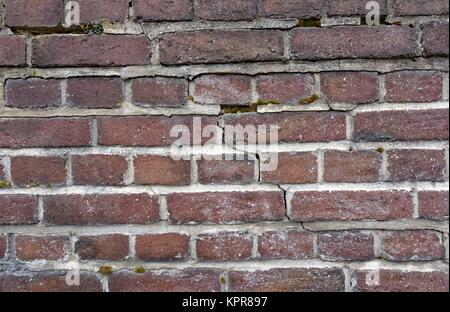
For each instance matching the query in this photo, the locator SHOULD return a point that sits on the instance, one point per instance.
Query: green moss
(190, 98)
(92, 28)
(313, 22)
(223, 281)
(309, 100)
(33, 184)
(5, 184)
(380, 150)
(252, 108)
(105, 270)
(139, 269)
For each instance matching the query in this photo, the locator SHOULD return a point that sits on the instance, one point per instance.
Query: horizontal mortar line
(224, 149)
(251, 265)
(401, 106)
(251, 228)
(401, 225)
(248, 68)
(254, 187)
(377, 186)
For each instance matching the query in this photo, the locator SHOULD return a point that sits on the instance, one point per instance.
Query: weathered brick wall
(87, 179)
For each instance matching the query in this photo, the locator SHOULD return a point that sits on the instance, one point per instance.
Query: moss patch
(380, 150)
(105, 270)
(5, 184)
(92, 28)
(139, 269)
(309, 100)
(252, 108)
(313, 22)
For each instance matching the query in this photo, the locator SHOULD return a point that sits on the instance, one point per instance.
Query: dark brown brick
(285, 88)
(286, 244)
(103, 10)
(352, 167)
(228, 10)
(353, 7)
(413, 125)
(351, 205)
(13, 51)
(225, 207)
(350, 87)
(413, 245)
(224, 246)
(288, 280)
(221, 46)
(31, 247)
(225, 171)
(100, 209)
(401, 281)
(160, 91)
(102, 247)
(44, 132)
(419, 7)
(162, 10)
(413, 86)
(161, 170)
(347, 246)
(43, 171)
(192, 280)
(292, 8)
(435, 39)
(433, 205)
(99, 169)
(293, 168)
(33, 93)
(34, 13)
(223, 89)
(311, 43)
(86, 50)
(162, 247)
(416, 165)
(18, 209)
(94, 92)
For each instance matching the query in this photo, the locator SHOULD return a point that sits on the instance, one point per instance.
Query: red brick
(103, 10)
(435, 39)
(286, 244)
(226, 207)
(33, 93)
(102, 247)
(162, 10)
(224, 246)
(34, 13)
(416, 165)
(433, 205)
(100, 209)
(285, 88)
(350, 87)
(226, 10)
(292, 8)
(352, 167)
(346, 246)
(412, 86)
(223, 89)
(94, 92)
(3, 245)
(44, 171)
(190, 280)
(169, 246)
(99, 169)
(351, 205)
(44, 132)
(30, 247)
(221, 46)
(414, 125)
(402, 281)
(413, 245)
(297, 127)
(293, 168)
(225, 171)
(352, 42)
(419, 7)
(161, 170)
(18, 209)
(288, 280)
(48, 282)
(160, 91)
(143, 130)
(86, 50)
(353, 7)
(13, 51)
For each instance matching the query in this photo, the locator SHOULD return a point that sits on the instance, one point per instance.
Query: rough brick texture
(224, 145)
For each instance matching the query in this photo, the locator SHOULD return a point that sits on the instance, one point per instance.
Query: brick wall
(88, 180)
